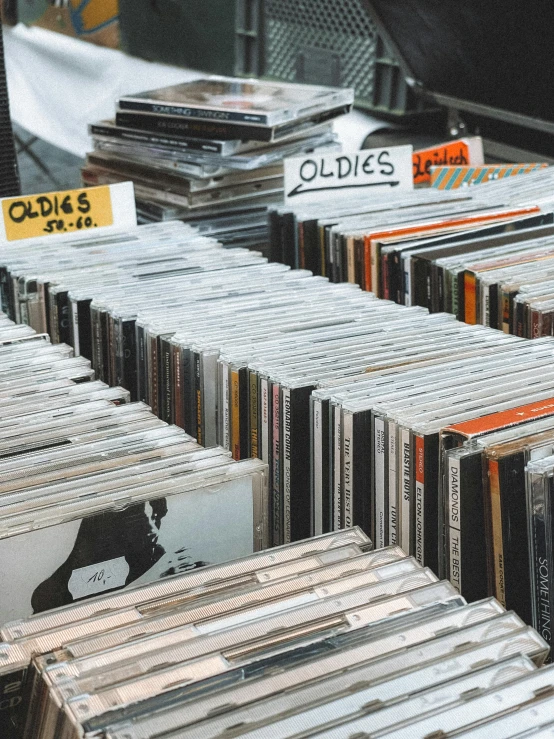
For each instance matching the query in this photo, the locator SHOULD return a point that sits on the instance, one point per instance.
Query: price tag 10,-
(67, 211)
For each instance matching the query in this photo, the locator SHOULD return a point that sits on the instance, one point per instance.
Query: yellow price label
(29, 216)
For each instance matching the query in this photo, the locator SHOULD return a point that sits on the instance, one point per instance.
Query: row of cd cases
(491, 266)
(358, 406)
(325, 637)
(97, 492)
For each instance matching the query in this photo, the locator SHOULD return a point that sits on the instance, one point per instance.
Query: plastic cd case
(237, 99)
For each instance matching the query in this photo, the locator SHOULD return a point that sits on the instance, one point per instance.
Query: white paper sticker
(312, 178)
(98, 577)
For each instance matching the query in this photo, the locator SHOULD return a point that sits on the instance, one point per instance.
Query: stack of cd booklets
(213, 147)
(325, 637)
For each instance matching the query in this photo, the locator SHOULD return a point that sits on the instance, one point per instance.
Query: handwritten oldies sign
(459, 153)
(313, 178)
(67, 211)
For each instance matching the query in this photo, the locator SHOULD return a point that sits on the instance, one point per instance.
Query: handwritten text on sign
(312, 178)
(30, 216)
(457, 153)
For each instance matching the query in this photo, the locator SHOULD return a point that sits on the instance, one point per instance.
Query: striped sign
(451, 178)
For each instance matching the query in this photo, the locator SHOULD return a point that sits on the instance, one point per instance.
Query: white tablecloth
(57, 85)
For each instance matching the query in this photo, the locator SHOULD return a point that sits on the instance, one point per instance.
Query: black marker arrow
(299, 191)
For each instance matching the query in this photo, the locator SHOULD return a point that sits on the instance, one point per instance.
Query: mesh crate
(329, 42)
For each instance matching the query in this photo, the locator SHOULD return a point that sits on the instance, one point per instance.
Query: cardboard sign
(458, 153)
(313, 178)
(67, 211)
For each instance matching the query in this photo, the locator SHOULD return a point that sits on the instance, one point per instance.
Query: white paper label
(98, 577)
(313, 178)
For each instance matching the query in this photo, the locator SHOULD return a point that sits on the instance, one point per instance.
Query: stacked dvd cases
(97, 493)
(492, 267)
(213, 149)
(325, 637)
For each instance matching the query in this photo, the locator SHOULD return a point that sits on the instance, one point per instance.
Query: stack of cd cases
(325, 637)
(97, 493)
(213, 148)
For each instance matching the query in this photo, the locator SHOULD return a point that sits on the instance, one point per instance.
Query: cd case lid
(235, 99)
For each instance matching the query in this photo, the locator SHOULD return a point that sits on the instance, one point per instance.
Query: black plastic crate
(327, 42)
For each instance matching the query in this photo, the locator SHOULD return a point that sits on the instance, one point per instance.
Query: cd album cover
(228, 99)
(109, 550)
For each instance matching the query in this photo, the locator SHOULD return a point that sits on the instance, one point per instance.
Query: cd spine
(145, 106)
(539, 487)
(419, 543)
(337, 467)
(169, 142)
(379, 482)
(454, 527)
(197, 127)
(406, 490)
(348, 467)
(276, 497)
(392, 538)
(498, 559)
